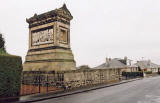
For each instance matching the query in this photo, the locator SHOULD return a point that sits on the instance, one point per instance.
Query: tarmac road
(146, 90)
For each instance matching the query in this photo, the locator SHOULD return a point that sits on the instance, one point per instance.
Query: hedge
(132, 74)
(10, 75)
(148, 72)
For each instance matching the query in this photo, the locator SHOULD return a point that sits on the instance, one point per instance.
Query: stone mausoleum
(49, 42)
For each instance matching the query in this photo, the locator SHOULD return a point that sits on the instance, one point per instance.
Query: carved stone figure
(42, 37)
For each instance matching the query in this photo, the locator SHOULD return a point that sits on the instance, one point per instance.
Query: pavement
(51, 95)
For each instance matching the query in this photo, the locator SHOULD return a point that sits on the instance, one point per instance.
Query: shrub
(10, 74)
(132, 74)
(2, 43)
(148, 72)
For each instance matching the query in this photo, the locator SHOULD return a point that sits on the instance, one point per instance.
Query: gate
(41, 82)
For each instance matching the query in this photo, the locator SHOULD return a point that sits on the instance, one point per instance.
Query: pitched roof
(113, 63)
(146, 64)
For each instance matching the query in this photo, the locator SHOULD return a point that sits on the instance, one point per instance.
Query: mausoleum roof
(61, 12)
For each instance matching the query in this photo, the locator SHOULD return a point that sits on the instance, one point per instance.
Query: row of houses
(126, 65)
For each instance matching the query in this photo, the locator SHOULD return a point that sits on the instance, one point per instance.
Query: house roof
(146, 64)
(113, 63)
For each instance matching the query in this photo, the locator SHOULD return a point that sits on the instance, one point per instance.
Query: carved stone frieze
(42, 36)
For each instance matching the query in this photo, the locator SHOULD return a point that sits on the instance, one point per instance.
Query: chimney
(125, 58)
(149, 62)
(108, 59)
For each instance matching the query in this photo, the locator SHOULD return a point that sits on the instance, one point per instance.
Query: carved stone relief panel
(42, 36)
(63, 37)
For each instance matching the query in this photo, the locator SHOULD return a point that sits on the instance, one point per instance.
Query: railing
(39, 82)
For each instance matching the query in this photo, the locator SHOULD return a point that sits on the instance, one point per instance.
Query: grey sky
(100, 28)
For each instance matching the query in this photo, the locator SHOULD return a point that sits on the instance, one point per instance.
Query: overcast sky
(99, 29)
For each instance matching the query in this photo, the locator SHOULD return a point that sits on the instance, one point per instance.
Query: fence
(41, 82)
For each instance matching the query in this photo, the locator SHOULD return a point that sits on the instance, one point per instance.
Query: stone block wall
(71, 79)
(80, 78)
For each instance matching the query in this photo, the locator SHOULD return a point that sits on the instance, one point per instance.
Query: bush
(10, 75)
(132, 74)
(2, 52)
(148, 72)
(2, 42)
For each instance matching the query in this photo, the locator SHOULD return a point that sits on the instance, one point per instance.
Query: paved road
(146, 90)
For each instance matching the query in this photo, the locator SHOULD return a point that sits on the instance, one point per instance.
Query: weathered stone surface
(51, 16)
(75, 78)
(82, 78)
(49, 42)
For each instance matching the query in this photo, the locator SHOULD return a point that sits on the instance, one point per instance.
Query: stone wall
(80, 78)
(71, 79)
